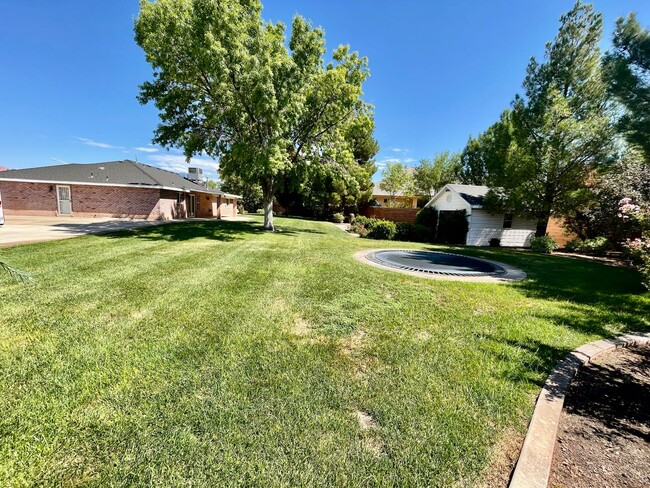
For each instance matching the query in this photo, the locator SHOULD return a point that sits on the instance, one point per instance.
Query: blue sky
(440, 71)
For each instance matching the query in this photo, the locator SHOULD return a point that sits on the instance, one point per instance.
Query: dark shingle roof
(109, 173)
(473, 194)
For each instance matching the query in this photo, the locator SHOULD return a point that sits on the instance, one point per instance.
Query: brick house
(111, 189)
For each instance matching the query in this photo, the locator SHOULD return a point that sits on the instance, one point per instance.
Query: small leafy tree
(396, 180)
(638, 249)
(228, 84)
(484, 157)
(432, 174)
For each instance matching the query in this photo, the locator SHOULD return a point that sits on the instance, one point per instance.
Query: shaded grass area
(211, 353)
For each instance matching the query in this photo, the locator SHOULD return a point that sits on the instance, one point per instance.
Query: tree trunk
(542, 224)
(267, 199)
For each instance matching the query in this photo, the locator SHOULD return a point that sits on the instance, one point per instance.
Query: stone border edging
(511, 274)
(533, 468)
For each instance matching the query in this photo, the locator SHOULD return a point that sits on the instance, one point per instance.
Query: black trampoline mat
(436, 262)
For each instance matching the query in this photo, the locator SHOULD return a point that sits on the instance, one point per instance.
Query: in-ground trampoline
(441, 265)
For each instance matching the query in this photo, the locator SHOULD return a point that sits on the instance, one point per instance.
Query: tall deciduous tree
(561, 126)
(226, 83)
(396, 179)
(627, 70)
(432, 174)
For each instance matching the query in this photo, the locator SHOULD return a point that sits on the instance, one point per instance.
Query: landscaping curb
(533, 467)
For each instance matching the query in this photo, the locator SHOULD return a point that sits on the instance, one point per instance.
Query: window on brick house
(179, 198)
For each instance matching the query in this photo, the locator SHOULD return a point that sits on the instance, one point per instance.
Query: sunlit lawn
(213, 353)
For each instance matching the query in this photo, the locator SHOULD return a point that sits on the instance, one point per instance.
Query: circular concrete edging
(533, 468)
(511, 273)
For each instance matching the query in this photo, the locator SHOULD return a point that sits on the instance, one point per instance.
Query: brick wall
(556, 230)
(87, 201)
(28, 198)
(392, 214)
(228, 207)
(168, 207)
(114, 201)
(111, 201)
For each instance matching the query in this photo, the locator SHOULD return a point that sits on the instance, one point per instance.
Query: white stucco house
(513, 231)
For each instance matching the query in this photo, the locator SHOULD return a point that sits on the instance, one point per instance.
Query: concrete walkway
(23, 229)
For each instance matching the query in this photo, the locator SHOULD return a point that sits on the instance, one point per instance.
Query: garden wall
(392, 214)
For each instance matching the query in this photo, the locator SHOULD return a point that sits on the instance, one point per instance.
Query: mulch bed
(604, 434)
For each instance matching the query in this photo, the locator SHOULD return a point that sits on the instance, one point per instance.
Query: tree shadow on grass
(218, 230)
(591, 298)
(591, 294)
(535, 358)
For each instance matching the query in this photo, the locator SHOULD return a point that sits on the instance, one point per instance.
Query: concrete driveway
(23, 229)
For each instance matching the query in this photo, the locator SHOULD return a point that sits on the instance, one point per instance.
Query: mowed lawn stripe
(213, 353)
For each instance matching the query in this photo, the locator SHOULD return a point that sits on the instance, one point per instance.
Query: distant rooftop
(376, 191)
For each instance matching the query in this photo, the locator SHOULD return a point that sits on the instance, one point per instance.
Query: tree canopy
(627, 69)
(432, 174)
(396, 179)
(319, 190)
(227, 84)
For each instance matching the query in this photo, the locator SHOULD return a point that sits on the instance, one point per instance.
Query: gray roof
(473, 194)
(111, 173)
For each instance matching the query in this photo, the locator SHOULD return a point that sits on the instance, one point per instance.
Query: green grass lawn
(213, 353)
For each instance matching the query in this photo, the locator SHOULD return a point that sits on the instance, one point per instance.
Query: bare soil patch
(371, 440)
(604, 434)
(504, 458)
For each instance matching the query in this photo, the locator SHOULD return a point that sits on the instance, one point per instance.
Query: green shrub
(544, 245)
(364, 221)
(382, 229)
(427, 217)
(495, 242)
(412, 232)
(574, 244)
(359, 229)
(338, 218)
(599, 246)
(361, 225)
